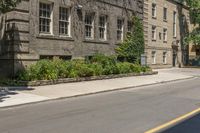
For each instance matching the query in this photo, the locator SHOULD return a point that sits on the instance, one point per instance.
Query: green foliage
(7, 5)
(98, 65)
(194, 7)
(124, 67)
(133, 46)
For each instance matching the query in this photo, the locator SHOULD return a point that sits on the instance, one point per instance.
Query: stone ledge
(71, 80)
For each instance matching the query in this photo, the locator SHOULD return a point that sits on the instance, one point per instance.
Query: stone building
(40, 29)
(166, 22)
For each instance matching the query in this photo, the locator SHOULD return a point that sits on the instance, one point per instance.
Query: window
(198, 52)
(103, 27)
(129, 27)
(153, 57)
(120, 28)
(153, 32)
(89, 25)
(154, 10)
(64, 21)
(164, 57)
(165, 35)
(174, 24)
(45, 18)
(165, 14)
(46, 57)
(65, 57)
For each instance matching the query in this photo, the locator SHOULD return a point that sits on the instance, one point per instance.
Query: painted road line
(174, 122)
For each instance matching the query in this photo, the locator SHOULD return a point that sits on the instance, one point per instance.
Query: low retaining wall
(71, 80)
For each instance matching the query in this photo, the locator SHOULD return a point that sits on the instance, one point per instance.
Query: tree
(7, 5)
(194, 35)
(133, 46)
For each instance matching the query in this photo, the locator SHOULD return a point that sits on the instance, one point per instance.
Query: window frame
(164, 58)
(153, 56)
(89, 25)
(103, 27)
(120, 29)
(165, 12)
(129, 27)
(154, 10)
(48, 18)
(154, 32)
(174, 24)
(165, 34)
(66, 21)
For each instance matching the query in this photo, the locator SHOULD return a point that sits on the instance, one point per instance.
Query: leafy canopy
(7, 5)
(133, 46)
(194, 36)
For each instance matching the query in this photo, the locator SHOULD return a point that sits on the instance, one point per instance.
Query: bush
(96, 66)
(97, 69)
(135, 68)
(85, 71)
(124, 67)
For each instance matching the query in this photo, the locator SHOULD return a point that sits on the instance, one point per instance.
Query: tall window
(164, 57)
(165, 14)
(129, 27)
(165, 35)
(120, 28)
(89, 25)
(154, 10)
(45, 18)
(103, 27)
(154, 33)
(64, 21)
(174, 23)
(153, 56)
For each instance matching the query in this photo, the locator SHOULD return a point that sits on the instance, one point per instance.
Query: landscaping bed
(48, 72)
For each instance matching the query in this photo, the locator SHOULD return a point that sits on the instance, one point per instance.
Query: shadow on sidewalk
(6, 92)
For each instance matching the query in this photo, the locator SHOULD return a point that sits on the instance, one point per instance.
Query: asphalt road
(191, 125)
(126, 111)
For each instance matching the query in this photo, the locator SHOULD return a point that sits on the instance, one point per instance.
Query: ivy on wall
(131, 49)
(7, 5)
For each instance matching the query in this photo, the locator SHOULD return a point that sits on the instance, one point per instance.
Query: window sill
(164, 20)
(96, 41)
(119, 42)
(154, 17)
(53, 37)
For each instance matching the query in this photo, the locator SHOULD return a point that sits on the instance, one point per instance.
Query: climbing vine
(131, 49)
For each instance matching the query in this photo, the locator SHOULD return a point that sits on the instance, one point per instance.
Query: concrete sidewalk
(20, 96)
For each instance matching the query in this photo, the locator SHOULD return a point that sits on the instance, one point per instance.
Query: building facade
(166, 22)
(41, 29)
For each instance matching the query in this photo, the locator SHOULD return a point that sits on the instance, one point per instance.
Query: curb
(99, 92)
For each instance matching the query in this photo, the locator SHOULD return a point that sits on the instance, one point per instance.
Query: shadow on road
(191, 125)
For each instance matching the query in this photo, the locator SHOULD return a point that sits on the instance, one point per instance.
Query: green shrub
(98, 65)
(97, 69)
(104, 60)
(146, 69)
(135, 68)
(124, 67)
(73, 74)
(84, 70)
(110, 69)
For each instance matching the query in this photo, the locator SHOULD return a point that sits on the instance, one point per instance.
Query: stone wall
(24, 44)
(159, 45)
